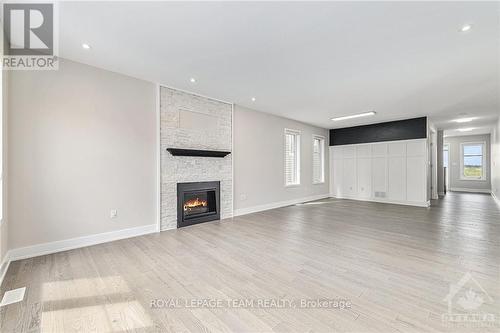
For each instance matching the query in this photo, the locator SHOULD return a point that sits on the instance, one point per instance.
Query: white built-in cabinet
(394, 172)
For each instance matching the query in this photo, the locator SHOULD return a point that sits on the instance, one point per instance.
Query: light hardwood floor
(394, 263)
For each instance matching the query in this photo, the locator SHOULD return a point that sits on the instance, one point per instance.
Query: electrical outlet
(113, 213)
(243, 197)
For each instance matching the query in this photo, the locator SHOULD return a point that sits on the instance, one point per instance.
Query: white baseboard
(471, 190)
(74, 243)
(392, 202)
(4, 266)
(495, 197)
(279, 204)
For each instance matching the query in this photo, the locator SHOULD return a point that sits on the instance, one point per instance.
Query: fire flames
(193, 203)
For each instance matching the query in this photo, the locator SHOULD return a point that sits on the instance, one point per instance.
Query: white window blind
(318, 159)
(292, 157)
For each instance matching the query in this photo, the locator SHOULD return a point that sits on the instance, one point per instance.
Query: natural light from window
(292, 157)
(473, 161)
(318, 159)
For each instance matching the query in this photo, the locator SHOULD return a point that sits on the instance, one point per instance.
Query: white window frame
(297, 157)
(485, 166)
(322, 141)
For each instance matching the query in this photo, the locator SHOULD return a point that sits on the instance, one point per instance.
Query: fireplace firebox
(197, 202)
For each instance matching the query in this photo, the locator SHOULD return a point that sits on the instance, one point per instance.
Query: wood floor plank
(394, 264)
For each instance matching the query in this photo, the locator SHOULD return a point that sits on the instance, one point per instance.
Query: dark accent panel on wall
(407, 129)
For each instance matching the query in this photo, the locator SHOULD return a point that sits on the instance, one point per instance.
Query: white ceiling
(304, 61)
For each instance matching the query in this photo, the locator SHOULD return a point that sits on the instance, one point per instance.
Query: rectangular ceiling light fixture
(365, 114)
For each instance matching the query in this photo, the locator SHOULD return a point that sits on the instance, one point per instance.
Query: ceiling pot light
(464, 120)
(465, 129)
(365, 114)
(86, 46)
(253, 99)
(192, 80)
(466, 27)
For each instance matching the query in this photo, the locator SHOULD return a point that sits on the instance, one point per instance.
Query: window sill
(292, 185)
(474, 179)
(319, 183)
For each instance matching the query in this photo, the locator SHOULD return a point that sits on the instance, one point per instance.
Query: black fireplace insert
(197, 202)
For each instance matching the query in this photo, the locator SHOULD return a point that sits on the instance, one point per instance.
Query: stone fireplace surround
(189, 121)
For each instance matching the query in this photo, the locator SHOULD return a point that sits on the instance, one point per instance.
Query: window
(318, 159)
(292, 157)
(473, 161)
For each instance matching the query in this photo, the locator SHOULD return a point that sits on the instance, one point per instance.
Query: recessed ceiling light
(253, 99)
(464, 120)
(192, 80)
(365, 114)
(466, 27)
(465, 129)
(86, 46)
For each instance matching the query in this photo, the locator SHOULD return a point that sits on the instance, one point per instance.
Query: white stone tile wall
(176, 169)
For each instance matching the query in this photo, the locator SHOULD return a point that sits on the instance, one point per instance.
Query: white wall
(394, 172)
(81, 142)
(259, 161)
(473, 185)
(495, 161)
(4, 240)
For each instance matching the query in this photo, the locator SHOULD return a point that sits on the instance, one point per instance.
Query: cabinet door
(379, 176)
(349, 152)
(379, 150)
(364, 171)
(336, 152)
(396, 178)
(416, 148)
(364, 151)
(416, 182)
(349, 177)
(337, 176)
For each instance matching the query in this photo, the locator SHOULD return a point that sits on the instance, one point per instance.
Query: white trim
(158, 158)
(4, 267)
(279, 204)
(193, 93)
(75, 243)
(495, 197)
(485, 158)
(441, 193)
(471, 190)
(392, 202)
